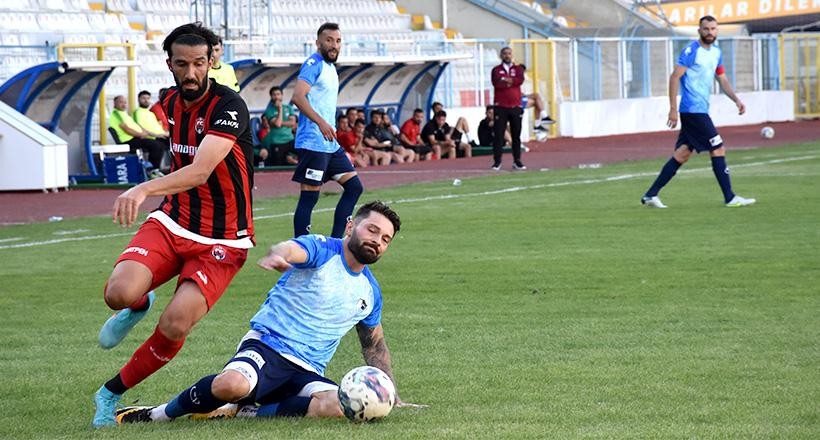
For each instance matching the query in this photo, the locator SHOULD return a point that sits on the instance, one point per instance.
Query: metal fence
(799, 68)
(586, 69)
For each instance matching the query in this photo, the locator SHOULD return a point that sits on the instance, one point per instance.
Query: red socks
(140, 304)
(152, 355)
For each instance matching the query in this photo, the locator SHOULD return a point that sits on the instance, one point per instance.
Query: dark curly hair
(381, 208)
(191, 34)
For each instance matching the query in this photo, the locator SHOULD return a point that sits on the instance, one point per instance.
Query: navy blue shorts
(316, 168)
(698, 133)
(276, 377)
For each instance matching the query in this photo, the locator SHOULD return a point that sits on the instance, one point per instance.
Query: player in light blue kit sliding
(326, 289)
(695, 71)
(321, 158)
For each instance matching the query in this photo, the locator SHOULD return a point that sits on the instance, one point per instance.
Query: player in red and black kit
(507, 78)
(202, 230)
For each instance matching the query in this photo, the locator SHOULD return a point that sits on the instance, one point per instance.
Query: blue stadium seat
(256, 124)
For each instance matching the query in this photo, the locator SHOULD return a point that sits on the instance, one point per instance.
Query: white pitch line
(71, 232)
(453, 196)
(435, 171)
(63, 240)
(6, 240)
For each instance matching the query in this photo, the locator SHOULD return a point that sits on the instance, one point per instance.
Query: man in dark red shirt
(507, 78)
(203, 228)
(156, 108)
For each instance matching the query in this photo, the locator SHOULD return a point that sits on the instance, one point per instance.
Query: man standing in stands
(223, 73)
(507, 78)
(320, 157)
(129, 132)
(201, 231)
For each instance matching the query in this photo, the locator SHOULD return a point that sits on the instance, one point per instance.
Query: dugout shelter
(395, 84)
(61, 97)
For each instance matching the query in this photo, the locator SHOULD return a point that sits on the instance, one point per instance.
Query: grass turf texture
(523, 305)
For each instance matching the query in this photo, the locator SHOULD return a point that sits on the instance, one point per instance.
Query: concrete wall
(475, 22)
(620, 116)
(472, 21)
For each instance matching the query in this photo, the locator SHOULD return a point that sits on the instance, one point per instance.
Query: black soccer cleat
(134, 414)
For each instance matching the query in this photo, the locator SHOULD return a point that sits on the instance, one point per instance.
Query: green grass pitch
(522, 305)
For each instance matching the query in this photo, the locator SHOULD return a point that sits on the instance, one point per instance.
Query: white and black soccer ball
(366, 393)
(767, 132)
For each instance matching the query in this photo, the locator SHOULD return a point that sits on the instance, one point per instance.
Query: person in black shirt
(486, 130)
(436, 134)
(377, 137)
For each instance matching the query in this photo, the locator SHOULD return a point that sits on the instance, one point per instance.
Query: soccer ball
(366, 393)
(767, 132)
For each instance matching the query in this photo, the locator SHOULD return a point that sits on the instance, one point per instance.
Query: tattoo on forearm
(375, 351)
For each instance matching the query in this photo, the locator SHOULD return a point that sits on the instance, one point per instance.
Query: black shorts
(316, 168)
(456, 136)
(421, 149)
(698, 133)
(277, 377)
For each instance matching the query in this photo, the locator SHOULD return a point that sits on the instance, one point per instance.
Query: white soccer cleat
(652, 202)
(738, 201)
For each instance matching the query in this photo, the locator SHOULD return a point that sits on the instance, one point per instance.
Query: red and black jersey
(505, 94)
(221, 207)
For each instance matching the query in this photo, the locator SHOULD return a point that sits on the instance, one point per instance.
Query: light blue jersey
(696, 84)
(324, 89)
(316, 303)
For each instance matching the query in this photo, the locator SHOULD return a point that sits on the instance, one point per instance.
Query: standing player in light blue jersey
(326, 290)
(321, 158)
(695, 71)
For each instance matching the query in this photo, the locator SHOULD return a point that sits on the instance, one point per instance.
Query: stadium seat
(54, 5)
(114, 136)
(256, 124)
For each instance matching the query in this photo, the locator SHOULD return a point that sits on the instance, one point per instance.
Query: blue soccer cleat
(105, 403)
(117, 326)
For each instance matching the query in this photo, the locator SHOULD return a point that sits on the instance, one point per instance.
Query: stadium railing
(800, 71)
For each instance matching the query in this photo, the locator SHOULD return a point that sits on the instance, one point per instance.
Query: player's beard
(708, 39)
(327, 57)
(192, 95)
(363, 253)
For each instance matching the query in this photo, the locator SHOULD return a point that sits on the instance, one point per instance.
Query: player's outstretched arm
(723, 80)
(210, 153)
(281, 256)
(376, 354)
